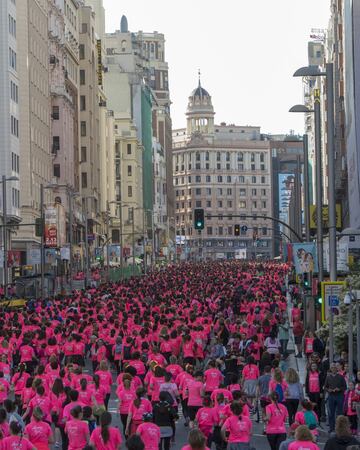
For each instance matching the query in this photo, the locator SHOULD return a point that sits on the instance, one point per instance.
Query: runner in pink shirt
(77, 430)
(206, 417)
(276, 416)
(16, 440)
(213, 377)
(149, 433)
(238, 427)
(195, 392)
(126, 395)
(106, 437)
(138, 408)
(197, 441)
(304, 440)
(39, 432)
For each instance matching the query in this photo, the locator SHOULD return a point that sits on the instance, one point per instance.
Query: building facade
(225, 170)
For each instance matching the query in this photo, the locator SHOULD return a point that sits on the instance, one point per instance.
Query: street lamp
(315, 71)
(4, 180)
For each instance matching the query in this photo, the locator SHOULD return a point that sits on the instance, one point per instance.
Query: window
(254, 204)
(209, 231)
(208, 178)
(15, 198)
(241, 179)
(242, 192)
(82, 103)
(83, 154)
(221, 231)
(230, 230)
(227, 166)
(197, 156)
(241, 167)
(83, 128)
(84, 179)
(129, 171)
(55, 112)
(263, 191)
(218, 156)
(208, 191)
(14, 92)
(220, 191)
(207, 156)
(198, 191)
(198, 179)
(14, 125)
(220, 204)
(240, 157)
(264, 231)
(229, 203)
(228, 179)
(252, 157)
(82, 51)
(253, 192)
(12, 26)
(227, 156)
(208, 203)
(262, 167)
(12, 59)
(15, 162)
(263, 180)
(263, 204)
(129, 149)
(252, 166)
(84, 28)
(189, 179)
(56, 170)
(198, 204)
(207, 166)
(129, 191)
(253, 179)
(197, 166)
(242, 204)
(220, 178)
(229, 191)
(55, 144)
(262, 157)
(82, 77)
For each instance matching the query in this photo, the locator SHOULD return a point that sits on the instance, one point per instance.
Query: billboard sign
(331, 295)
(305, 257)
(33, 256)
(50, 232)
(325, 216)
(13, 258)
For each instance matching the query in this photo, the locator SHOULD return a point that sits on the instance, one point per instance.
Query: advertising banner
(342, 252)
(50, 256)
(114, 251)
(13, 258)
(61, 225)
(33, 256)
(305, 257)
(51, 239)
(65, 253)
(325, 216)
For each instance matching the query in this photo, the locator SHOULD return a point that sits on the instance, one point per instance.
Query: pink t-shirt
(250, 372)
(206, 418)
(239, 429)
(213, 378)
(113, 443)
(77, 431)
(15, 442)
(150, 434)
(303, 445)
(278, 415)
(314, 382)
(144, 407)
(38, 432)
(195, 389)
(126, 397)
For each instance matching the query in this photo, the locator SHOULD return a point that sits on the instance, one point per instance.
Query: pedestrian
(314, 383)
(106, 437)
(237, 429)
(335, 386)
(77, 430)
(164, 415)
(283, 336)
(38, 431)
(196, 441)
(250, 375)
(275, 419)
(350, 402)
(140, 406)
(303, 440)
(16, 440)
(149, 432)
(295, 393)
(343, 438)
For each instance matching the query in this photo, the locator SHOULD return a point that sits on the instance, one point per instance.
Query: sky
(247, 51)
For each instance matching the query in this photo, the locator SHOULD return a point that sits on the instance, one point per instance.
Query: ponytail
(105, 421)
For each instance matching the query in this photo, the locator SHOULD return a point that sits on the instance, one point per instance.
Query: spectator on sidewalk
(298, 331)
(295, 393)
(335, 386)
(343, 438)
(283, 336)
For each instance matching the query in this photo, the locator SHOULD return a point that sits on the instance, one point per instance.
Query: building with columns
(226, 170)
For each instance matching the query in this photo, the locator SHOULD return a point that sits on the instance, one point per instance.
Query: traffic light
(199, 220)
(307, 280)
(237, 230)
(39, 227)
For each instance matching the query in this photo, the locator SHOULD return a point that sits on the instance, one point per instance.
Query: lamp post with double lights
(4, 180)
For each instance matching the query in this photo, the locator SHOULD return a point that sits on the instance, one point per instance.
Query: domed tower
(200, 112)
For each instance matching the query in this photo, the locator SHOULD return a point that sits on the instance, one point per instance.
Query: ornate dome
(200, 92)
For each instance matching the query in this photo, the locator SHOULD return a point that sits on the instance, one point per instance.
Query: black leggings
(314, 397)
(123, 418)
(275, 440)
(165, 443)
(292, 407)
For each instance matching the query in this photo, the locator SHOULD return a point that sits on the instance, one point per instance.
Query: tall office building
(9, 112)
(34, 98)
(225, 170)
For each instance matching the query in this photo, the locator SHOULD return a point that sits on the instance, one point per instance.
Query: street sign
(244, 228)
(331, 293)
(91, 237)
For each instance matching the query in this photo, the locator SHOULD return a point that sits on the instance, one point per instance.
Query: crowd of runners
(198, 345)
